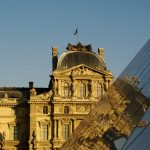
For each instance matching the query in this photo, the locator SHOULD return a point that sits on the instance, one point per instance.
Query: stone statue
(34, 135)
(6, 95)
(33, 92)
(3, 136)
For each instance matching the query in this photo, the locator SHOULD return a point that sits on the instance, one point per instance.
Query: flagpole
(76, 34)
(78, 40)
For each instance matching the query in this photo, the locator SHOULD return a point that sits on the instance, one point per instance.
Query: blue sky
(29, 29)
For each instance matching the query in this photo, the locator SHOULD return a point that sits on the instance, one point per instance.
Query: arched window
(66, 110)
(45, 110)
(82, 90)
(66, 90)
(99, 91)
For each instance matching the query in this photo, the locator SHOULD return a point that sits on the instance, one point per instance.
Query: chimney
(101, 53)
(54, 57)
(31, 84)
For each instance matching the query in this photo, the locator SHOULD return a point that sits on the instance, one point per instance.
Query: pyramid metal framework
(119, 111)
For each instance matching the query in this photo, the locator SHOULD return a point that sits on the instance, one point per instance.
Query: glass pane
(66, 90)
(44, 132)
(99, 90)
(45, 110)
(66, 131)
(66, 110)
(82, 90)
(13, 133)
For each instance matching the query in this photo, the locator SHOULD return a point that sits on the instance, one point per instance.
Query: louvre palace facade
(43, 118)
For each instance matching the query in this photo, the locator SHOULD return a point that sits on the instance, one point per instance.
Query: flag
(76, 31)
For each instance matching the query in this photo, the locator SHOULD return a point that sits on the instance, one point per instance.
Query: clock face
(82, 108)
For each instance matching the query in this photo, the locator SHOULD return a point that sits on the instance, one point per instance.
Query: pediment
(45, 96)
(13, 123)
(81, 70)
(44, 121)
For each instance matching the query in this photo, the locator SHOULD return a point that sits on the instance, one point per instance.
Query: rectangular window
(13, 133)
(66, 90)
(66, 131)
(44, 132)
(82, 90)
(99, 90)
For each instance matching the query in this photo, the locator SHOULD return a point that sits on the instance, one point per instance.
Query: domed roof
(77, 55)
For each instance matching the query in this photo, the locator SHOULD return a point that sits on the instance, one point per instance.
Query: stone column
(55, 87)
(103, 90)
(92, 89)
(106, 84)
(76, 83)
(70, 128)
(75, 123)
(59, 130)
(73, 88)
(55, 128)
(59, 87)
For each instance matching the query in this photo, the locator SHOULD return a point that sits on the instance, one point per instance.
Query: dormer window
(45, 110)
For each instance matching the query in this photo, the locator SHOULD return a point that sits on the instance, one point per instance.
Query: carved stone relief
(81, 109)
(39, 109)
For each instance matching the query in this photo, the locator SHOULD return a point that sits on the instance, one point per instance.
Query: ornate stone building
(43, 118)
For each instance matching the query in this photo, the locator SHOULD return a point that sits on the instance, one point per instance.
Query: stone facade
(43, 118)
(14, 119)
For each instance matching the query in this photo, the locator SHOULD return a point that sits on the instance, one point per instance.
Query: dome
(73, 58)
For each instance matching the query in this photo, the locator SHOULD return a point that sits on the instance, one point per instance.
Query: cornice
(57, 72)
(75, 102)
(39, 102)
(69, 116)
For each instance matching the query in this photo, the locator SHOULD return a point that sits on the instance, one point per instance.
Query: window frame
(66, 90)
(14, 133)
(82, 90)
(45, 109)
(99, 91)
(44, 132)
(66, 131)
(66, 109)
